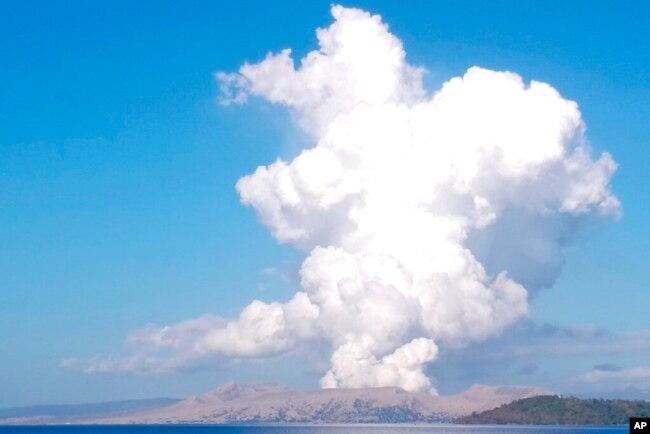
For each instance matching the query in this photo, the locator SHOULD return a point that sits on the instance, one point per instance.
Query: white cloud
(354, 364)
(388, 199)
(636, 377)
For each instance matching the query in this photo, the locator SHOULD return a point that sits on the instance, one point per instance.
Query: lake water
(310, 429)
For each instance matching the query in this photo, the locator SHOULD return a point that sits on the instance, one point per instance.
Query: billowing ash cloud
(421, 215)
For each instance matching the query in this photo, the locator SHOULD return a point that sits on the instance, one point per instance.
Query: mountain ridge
(46, 412)
(274, 403)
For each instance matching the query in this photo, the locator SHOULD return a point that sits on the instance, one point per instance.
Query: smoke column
(422, 215)
(396, 184)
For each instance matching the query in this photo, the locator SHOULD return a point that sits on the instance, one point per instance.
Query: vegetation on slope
(555, 410)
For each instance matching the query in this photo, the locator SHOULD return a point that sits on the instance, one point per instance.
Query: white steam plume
(400, 201)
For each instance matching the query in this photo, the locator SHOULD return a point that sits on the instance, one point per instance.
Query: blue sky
(118, 166)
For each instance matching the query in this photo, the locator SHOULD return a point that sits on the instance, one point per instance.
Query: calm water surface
(338, 429)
